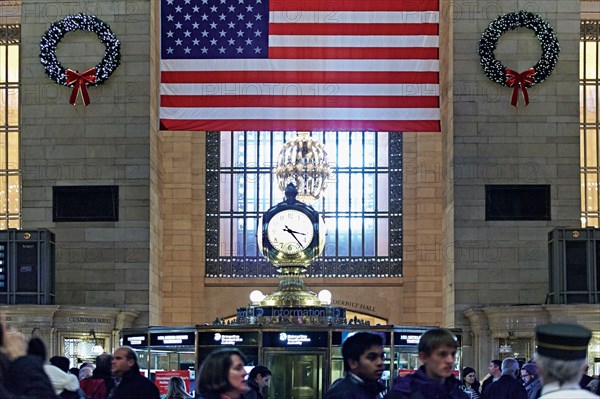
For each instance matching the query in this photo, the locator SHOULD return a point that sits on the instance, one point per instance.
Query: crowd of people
(557, 370)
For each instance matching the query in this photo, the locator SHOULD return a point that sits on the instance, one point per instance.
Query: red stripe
(300, 101)
(334, 6)
(261, 124)
(357, 53)
(354, 29)
(297, 77)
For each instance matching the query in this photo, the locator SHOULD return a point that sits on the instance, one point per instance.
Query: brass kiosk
(304, 359)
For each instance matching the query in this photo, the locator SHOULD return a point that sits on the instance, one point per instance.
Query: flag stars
(170, 50)
(257, 50)
(231, 8)
(231, 42)
(170, 18)
(258, 17)
(187, 50)
(204, 50)
(213, 42)
(170, 33)
(240, 17)
(240, 33)
(249, 8)
(222, 17)
(196, 42)
(195, 25)
(213, 25)
(204, 33)
(249, 25)
(178, 42)
(178, 25)
(248, 41)
(187, 17)
(222, 33)
(239, 50)
(257, 33)
(213, 9)
(187, 33)
(196, 9)
(204, 17)
(231, 25)
(178, 9)
(222, 50)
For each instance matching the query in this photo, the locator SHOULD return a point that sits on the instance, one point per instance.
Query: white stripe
(300, 65)
(353, 41)
(375, 114)
(296, 89)
(349, 17)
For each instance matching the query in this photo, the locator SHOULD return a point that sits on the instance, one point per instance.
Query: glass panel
(238, 238)
(251, 246)
(251, 188)
(13, 150)
(343, 146)
(343, 243)
(369, 236)
(3, 154)
(239, 151)
(3, 108)
(382, 149)
(382, 237)
(13, 64)
(591, 192)
(382, 193)
(357, 236)
(13, 193)
(343, 193)
(251, 150)
(369, 193)
(591, 55)
(3, 193)
(3, 50)
(591, 150)
(265, 192)
(225, 156)
(357, 191)
(225, 193)
(356, 150)
(13, 107)
(225, 244)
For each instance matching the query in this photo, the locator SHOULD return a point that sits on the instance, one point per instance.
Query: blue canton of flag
(209, 29)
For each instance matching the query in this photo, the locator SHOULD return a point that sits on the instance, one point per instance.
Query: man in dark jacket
(363, 363)
(435, 378)
(495, 371)
(507, 386)
(130, 384)
(258, 379)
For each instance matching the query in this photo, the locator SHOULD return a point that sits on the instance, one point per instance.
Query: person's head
(363, 355)
(61, 362)
(510, 366)
(261, 375)
(495, 368)
(437, 352)
(85, 372)
(103, 367)
(222, 372)
(124, 359)
(176, 388)
(528, 372)
(36, 347)
(561, 352)
(468, 376)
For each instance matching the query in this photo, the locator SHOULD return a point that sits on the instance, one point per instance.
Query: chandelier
(303, 162)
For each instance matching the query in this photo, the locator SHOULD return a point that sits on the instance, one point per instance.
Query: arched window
(362, 206)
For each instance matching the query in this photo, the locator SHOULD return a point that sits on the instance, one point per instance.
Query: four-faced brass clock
(291, 233)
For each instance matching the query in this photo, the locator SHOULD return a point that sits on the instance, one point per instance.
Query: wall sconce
(97, 349)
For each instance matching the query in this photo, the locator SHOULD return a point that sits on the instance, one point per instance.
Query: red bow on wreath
(81, 81)
(519, 80)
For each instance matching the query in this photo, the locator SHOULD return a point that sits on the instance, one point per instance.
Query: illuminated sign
(407, 338)
(228, 338)
(176, 338)
(135, 340)
(295, 339)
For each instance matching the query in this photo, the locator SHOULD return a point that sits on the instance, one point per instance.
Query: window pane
(356, 192)
(225, 233)
(382, 149)
(369, 237)
(343, 191)
(591, 55)
(591, 155)
(3, 51)
(343, 233)
(13, 64)
(225, 190)
(13, 193)
(13, 106)
(382, 237)
(13, 150)
(382, 193)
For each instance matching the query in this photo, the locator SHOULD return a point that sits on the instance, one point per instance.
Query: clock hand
(287, 229)
(293, 231)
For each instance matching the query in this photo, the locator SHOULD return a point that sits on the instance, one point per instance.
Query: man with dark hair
(494, 372)
(258, 379)
(129, 383)
(363, 364)
(435, 378)
(507, 386)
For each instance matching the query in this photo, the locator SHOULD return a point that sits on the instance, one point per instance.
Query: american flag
(369, 65)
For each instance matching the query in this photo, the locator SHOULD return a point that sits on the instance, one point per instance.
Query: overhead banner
(360, 65)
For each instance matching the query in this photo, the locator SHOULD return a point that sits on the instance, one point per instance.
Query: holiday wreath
(69, 77)
(498, 73)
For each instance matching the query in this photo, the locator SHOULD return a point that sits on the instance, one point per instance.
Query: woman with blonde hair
(176, 389)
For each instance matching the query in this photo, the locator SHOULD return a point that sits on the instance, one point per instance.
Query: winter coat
(352, 387)
(533, 388)
(24, 378)
(506, 387)
(254, 392)
(419, 386)
(133, 385)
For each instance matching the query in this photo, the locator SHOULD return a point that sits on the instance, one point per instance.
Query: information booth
(304, 360)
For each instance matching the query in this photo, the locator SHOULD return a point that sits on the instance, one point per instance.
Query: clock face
(290, 231)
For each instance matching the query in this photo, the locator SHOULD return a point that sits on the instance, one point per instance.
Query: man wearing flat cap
(560, 360)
